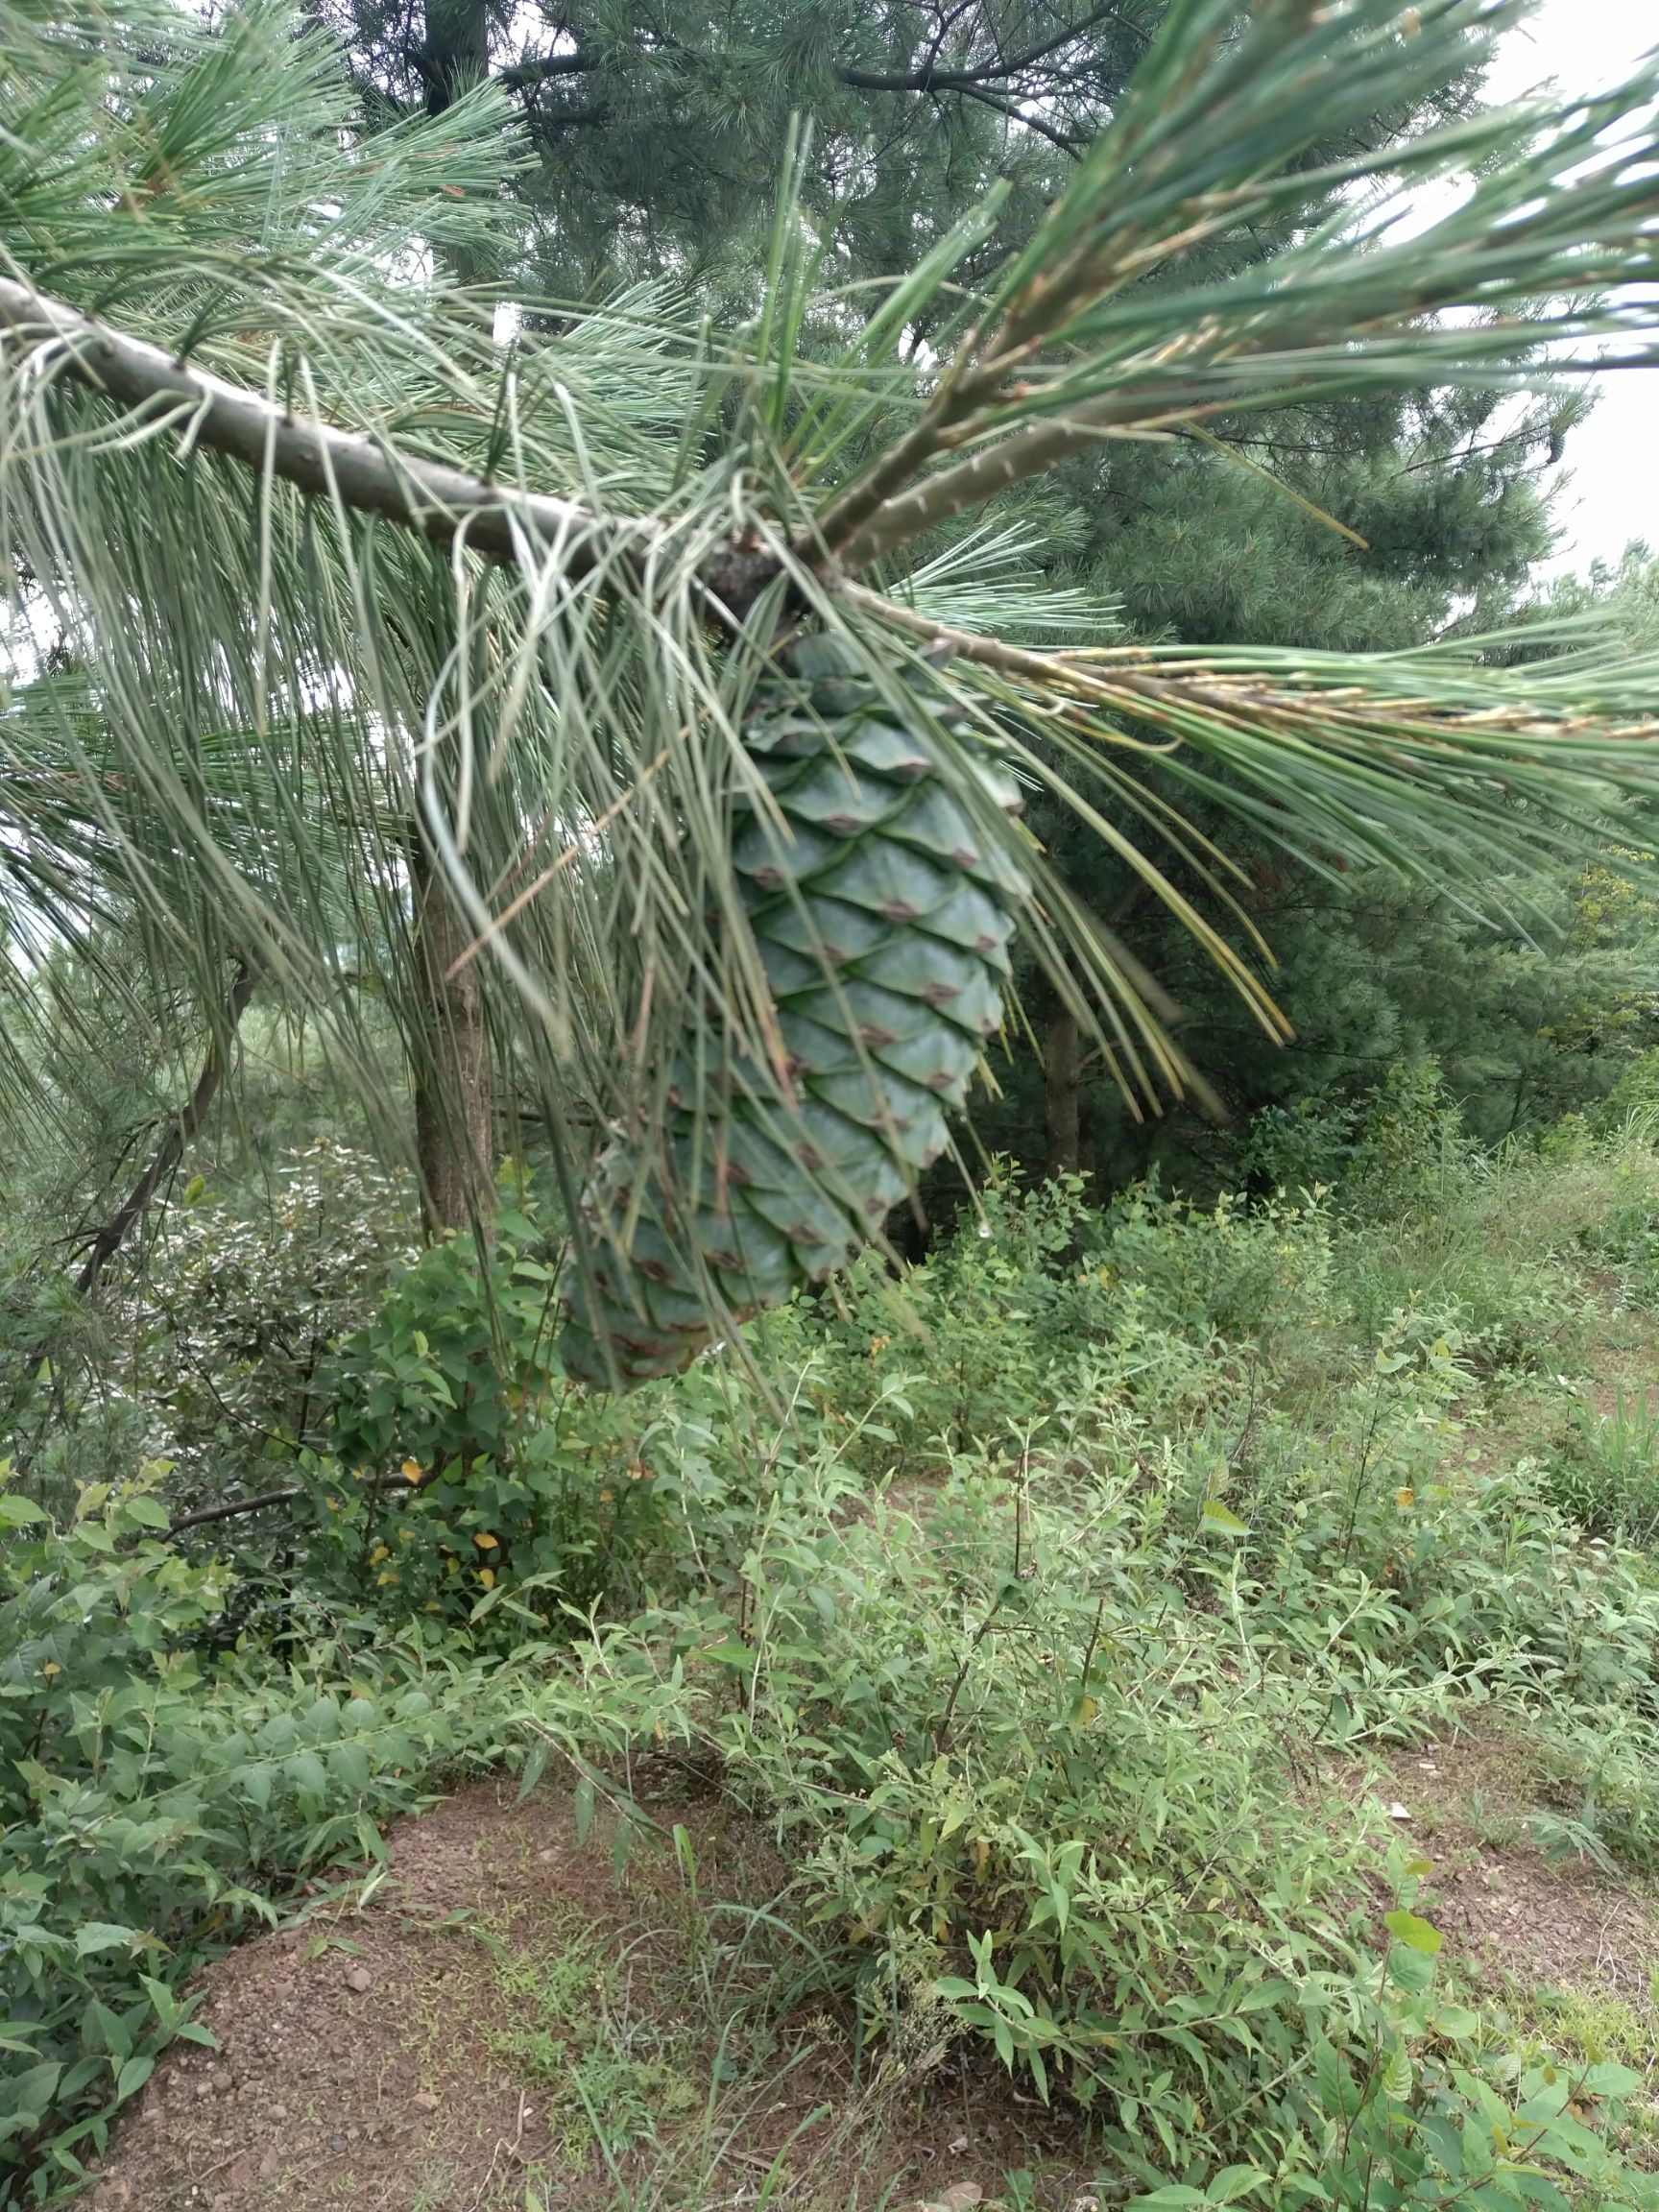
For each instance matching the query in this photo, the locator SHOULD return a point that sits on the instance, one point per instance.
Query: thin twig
(183, 1126)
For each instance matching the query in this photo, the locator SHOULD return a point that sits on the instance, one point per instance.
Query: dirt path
(461, 2042)
(508, 2015)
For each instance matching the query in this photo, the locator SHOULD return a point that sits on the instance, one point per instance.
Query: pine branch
(1069, 142)
(928, 76)
(440, 502)
(540, 69)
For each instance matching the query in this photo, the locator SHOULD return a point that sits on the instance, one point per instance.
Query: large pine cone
(882, 916)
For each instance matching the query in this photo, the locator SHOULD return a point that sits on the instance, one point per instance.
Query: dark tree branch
(541, 68)
(286, 1495)
(179, 1131)
(545, 120)
(931, 78)
(1067, 141)
(206, 1513)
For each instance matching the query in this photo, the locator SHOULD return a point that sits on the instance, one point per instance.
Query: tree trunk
(455, 52)
(1059, 1058)
(171, 1150)
(453, 1118)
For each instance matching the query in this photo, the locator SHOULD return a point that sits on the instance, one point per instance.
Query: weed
(1607, 1477)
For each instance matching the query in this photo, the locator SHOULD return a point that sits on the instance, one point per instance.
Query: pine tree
(654, 141)
(553, 595)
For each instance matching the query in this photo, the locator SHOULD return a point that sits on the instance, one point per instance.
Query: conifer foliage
(277, 485)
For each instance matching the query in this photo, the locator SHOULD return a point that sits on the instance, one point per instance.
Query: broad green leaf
(134, 2073)
(101, 1935)
(1408, 1928)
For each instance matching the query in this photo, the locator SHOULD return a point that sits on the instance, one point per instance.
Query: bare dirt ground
(461, 2042)
(510, 2024)
(1503, 1899)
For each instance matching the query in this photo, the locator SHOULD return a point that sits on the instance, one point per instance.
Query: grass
(1029, 1659)
(607, 2057)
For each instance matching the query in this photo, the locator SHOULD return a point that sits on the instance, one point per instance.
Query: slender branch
(1067, 141)
(930, 76)
(931, 79)
(257, 1504)
(372, 478)
(180, 1129)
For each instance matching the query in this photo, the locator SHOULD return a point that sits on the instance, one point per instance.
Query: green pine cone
(883, 917)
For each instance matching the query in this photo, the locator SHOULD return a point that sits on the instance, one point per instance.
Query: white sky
(1612, 460)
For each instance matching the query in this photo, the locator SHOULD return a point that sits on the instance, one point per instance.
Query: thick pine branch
(359, 474)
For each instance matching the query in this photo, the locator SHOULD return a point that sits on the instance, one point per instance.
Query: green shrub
(1029, 1597)
(1042, 1738)
(466, 1467)
(152, 1800)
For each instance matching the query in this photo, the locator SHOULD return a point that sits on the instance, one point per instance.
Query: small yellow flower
(390, 1575)
(410, 1470)
(483, 1541)
(605, 1497)
(1404, 1498)
(487, 1575)
(51, 1667)
(379, 1554)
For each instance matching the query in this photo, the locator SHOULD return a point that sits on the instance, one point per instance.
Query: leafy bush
(152, 1801)
(1044, 1737)
(216, 1355)
(1029, 1597)
(504, 1480)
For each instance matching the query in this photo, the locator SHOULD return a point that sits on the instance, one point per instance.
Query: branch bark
(325, 463)
(182, 1127)
(257, 1504)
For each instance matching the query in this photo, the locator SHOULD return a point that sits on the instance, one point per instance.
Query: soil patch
(514, 2009)
(1503, 1904)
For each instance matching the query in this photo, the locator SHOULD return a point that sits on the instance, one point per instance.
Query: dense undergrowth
(1045, 1602)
